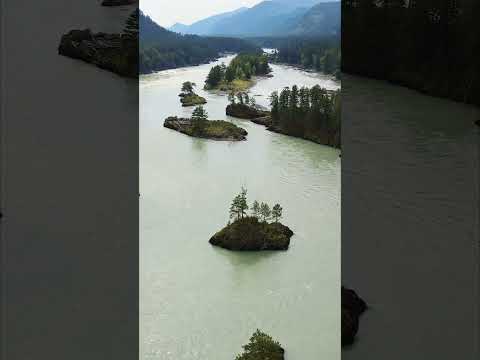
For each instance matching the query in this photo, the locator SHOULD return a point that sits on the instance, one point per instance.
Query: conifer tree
(265, 212)
(256, 209)
(277, 212)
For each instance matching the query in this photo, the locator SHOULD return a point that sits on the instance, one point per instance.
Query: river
(201, 302)
(410, 221)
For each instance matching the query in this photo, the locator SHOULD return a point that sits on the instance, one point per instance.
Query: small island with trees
(254, 232)
(261, 347)
(188, 97)
(199, 126)
(243, 106)
(239, 74)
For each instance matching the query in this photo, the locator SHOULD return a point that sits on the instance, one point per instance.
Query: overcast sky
(169, 12)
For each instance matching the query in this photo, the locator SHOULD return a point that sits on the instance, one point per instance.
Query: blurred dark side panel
(410, 177)
(69, 190)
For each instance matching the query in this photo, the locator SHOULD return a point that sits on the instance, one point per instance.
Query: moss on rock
(192, 100)
(250, 234)
(210, 129)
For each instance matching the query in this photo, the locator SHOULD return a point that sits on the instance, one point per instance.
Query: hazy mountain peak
(271, 18)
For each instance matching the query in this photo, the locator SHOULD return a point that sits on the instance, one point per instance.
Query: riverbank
(260, 117)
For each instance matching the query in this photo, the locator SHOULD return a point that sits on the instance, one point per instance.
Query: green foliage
(320, 54)
(265, 211)
(239, 206)
(199, 120)
(200, 113)
(261, 347)
(242, 67)
(256, 209)
(231, 98)
(431, 46)
(277, 212)
(188, 87)
(307, 112)
(215, 76)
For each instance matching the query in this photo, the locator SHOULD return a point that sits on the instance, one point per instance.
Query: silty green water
(198, 302)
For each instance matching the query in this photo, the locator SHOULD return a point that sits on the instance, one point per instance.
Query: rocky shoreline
(213, 129)
(242, 111)
(107, 51)
(325, 138)
(262, 117)
(352, 307)
(251, 234)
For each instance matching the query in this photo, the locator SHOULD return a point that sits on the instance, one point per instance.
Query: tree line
(321, 54)
(243, 67)
(242, 97)
(429, 45)
(261, 211)
(161, 49)
(306, 111)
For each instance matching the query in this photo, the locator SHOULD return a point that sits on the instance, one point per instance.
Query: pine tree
(265, 212)
(277, 212)
(199, 119)
(256, 209)
(239, 206)
(187, 87)
(261, 347)
(274, 105)
(231, 98)
(131, 26)
(247, 98)
(200, 113)
(243, 203)
(240, 98)
(235, 208)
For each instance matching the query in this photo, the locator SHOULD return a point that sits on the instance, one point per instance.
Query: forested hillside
(161, 49)
(316, 53)
(429, 45)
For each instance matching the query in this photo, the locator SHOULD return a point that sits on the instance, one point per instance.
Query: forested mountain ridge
(273, 18)
(161, 49)
(321, 19)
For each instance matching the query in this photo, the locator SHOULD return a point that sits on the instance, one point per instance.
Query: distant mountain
(205, 26)
(272, 18)
(162, 49)
(323, 18)
(179, 28)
